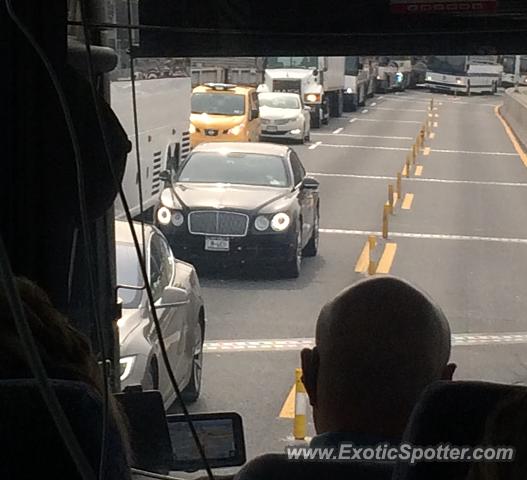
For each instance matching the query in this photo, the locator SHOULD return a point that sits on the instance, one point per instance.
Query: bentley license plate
(217, 244)
(271, 128)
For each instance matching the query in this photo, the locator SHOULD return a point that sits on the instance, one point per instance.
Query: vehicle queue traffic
(241, 196)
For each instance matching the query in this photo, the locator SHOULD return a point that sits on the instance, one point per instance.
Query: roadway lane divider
(367, 261)
(301, 403)
(370, 262)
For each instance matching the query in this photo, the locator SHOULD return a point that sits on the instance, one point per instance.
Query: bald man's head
(379, 343)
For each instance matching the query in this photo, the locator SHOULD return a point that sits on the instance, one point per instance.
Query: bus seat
(273, 466)
(30, 443)
(454, 413)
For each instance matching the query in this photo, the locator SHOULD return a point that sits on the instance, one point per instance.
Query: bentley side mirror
(165, 177)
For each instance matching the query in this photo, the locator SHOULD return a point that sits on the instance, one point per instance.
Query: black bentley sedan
(241, 202)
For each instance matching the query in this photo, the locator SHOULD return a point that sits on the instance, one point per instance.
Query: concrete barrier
(514, 110)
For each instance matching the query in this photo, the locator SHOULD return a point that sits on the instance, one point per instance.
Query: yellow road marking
(288, 408)
(403, 173)
(436, 124)
(426, 151)
(436, 115)
(362, 261)
(418, 170)
(407, 202)
(512, 136)
(430, 115)
(385, 263)
(432, 135)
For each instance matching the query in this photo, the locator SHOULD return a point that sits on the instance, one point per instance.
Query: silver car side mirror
(173, 297)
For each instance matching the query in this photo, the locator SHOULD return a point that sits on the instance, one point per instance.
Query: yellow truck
(222, 112)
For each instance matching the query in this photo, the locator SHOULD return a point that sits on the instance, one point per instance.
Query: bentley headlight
(167, 199)
(178, 218)
(164, 216)
(261, 223)
(280, 222)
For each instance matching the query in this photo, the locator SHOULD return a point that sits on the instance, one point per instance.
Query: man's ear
(448, 372)
(310, 364)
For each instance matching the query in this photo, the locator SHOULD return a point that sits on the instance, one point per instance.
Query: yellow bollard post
(408, 165)
(385, 213)
(390, 197)
(300, 421)
(372, 265)
(414, 153)
(398, 185)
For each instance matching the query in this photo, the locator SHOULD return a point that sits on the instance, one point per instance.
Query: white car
(283, 115)
(179, 305)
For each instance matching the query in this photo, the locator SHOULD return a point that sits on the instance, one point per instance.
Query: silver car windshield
(235, 168)
(129, 274)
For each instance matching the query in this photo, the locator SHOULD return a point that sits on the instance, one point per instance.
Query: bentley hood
(222, 196)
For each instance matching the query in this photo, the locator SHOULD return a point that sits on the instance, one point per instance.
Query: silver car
(283, 115)
(180, 309)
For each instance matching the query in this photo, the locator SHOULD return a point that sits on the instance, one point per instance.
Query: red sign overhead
(443, 6)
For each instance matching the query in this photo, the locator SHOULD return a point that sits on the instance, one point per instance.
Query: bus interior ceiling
(35, 225)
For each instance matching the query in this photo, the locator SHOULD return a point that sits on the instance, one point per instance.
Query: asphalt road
(463, 240)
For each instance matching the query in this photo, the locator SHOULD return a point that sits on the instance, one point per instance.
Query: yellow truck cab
(222, 112)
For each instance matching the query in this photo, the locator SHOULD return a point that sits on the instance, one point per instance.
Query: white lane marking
(471, 152)
(373, 104)
(338, 130)
(365, 147)
(296, 344)
(429, 180)
(315, 145)
(451, 102)
(401, 149)
(365, 110)
(401, 109)
(389, 121)
(428, 236)
(357, 135)
(353, 120)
